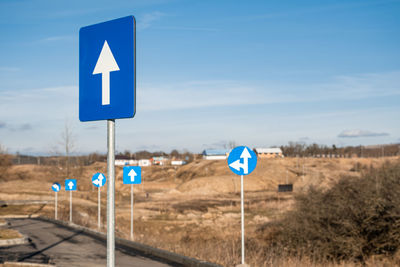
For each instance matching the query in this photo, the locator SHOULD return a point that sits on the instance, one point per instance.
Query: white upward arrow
(245, 156)
(70, 185)
(245, 165)
(132, 174)
(100, 179)
(105, 64)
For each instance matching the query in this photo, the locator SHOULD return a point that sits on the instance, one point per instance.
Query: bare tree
(68, 144)
(231, 144)
(5, 161)
(174, 154)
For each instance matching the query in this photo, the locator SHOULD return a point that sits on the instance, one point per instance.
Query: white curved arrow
(56, 187)
(99, 180)
(105, 64)
(245, 165)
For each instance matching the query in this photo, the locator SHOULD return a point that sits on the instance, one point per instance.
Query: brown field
(9, 234)
(192, 210)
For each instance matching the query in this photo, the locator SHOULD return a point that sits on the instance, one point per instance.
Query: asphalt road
(50, 243)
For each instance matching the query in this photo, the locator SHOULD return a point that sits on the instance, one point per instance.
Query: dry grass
(194, 209)
(22, 209)
(9, 234)
(24, 264)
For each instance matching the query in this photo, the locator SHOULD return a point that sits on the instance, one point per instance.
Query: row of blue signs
(132, 175)
(241, 161)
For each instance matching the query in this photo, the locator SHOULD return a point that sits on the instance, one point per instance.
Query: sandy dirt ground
(192, 209)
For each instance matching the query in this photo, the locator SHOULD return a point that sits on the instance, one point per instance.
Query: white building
(123, 162)
(212, 154)
(274, 152)
(144, 162)
(177, 162)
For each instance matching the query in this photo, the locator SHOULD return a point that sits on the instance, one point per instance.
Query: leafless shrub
(354, 220)
(5, 162)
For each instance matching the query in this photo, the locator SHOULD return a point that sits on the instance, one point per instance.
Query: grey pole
(111, 193)
(55, 204)
(131, 211)
(242, 211)
(70, 205)
(99, 209)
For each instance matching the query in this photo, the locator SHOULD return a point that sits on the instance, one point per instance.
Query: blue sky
(260, 73)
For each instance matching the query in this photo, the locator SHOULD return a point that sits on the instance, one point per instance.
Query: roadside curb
(19, 216)
(24, 202)
(14, 242)
(138, 247)
(6, 263)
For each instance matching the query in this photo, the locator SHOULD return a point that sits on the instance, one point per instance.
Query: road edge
(14, 241)
(131, 245)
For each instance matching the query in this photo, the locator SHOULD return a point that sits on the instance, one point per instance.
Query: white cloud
(148, 19)
(52, 103)
(179, 28)
(219, 93)
(360, 133)
(187, 112)
(58, 38)
(15, 127)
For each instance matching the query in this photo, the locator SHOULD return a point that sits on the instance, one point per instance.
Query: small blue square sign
(132, 175)
(70, 185)
(107, 70)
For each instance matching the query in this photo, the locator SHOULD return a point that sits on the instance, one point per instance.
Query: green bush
(353, 220)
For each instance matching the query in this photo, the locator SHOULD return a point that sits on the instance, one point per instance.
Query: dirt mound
(202, 168)
(223, 184)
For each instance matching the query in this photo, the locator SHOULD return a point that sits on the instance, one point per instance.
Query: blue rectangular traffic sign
(70, 185)
(132, 175)
(107, 70)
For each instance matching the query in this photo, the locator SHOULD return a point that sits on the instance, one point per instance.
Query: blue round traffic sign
(99, 179)
(56, 187)
(242, 160)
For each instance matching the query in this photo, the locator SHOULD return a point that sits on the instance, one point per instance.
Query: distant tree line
(144, 154)
(293, 149)
(60, 161)
(84, 160)
(296, 149)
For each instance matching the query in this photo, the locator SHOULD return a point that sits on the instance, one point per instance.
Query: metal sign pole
(242, 211)
(111, 193)
(55, 204)
(70, 206)
(131, 211)
(242, 161)
(99, 209)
